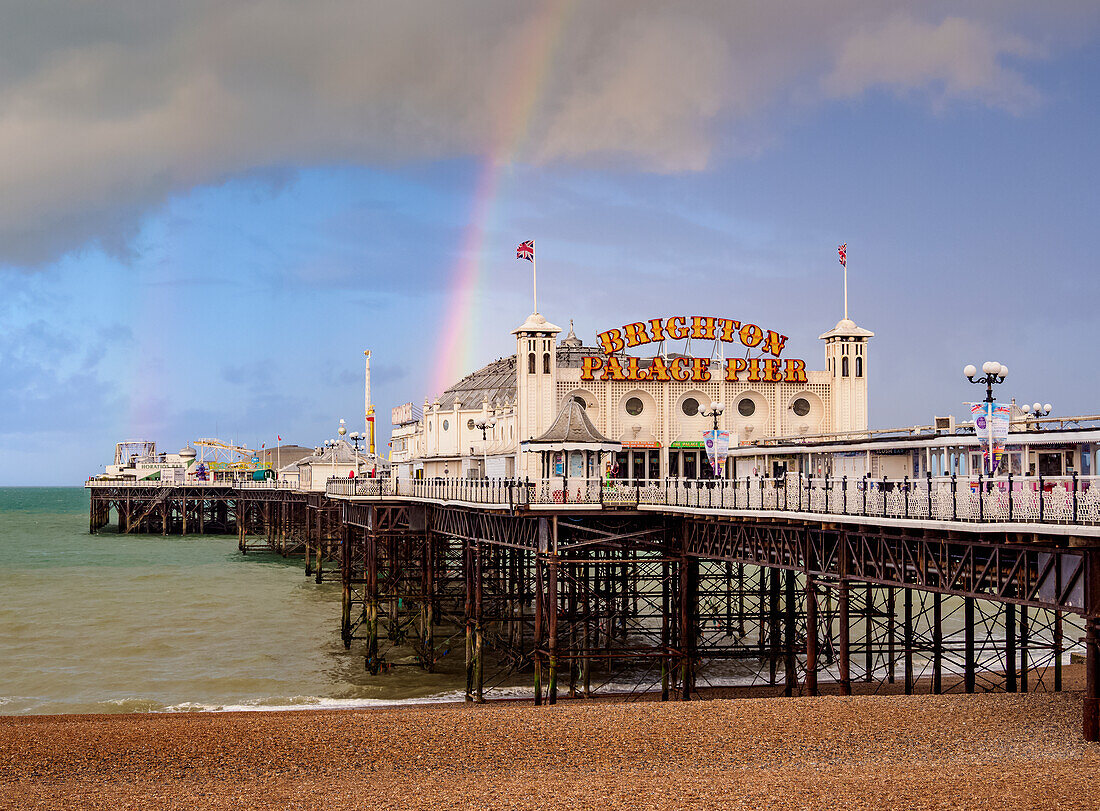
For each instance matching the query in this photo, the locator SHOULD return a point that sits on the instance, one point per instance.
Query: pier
(581, 586)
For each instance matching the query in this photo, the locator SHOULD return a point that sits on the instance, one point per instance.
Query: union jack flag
(842, 251)
(526, 250)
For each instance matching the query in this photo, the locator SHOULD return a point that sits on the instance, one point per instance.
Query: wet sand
(990, 751)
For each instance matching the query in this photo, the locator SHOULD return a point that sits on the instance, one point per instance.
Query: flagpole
(845, 289)
(534, 278)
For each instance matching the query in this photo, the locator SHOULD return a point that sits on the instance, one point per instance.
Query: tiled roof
(572, 425)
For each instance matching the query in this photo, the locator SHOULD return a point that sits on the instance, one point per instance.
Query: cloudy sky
(208, 210)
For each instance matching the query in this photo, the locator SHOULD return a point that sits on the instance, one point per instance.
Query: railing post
(1040, 498)
(905, 486)
(981, 498)
(826, 493)
(1010, 494)
(929, 476)
(954, 497)
(799, 491)
(844, 495)
(883, 496)
(1075, 496)
(866, 481)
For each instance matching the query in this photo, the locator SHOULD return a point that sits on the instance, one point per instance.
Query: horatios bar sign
(762, 369)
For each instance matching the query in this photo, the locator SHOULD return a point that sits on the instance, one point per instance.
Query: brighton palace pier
(553, 522)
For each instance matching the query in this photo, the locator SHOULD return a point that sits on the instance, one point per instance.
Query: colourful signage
(612, 366)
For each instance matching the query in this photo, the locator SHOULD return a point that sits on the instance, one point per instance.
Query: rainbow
(536, 45)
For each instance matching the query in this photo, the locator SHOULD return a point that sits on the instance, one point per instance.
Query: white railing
(1016, 499)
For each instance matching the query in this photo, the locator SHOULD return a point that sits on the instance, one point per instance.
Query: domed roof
(536, 322)
(846, 328)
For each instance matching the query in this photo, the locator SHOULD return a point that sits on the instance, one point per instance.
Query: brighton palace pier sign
(763, 369)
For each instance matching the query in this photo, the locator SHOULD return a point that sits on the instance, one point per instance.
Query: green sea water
(117, 623)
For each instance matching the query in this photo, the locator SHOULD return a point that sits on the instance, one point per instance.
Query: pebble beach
(989, 751)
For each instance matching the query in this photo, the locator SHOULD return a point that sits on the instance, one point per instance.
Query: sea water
(125, 623)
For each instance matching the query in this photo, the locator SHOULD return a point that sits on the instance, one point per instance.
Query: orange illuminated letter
(751, 335)
(771, 372)
(774, 343)
(590, 365)
(675, 328)
(633, 372)
(702, 326)
(614, 370)
(754, 370)
(796, 371)
(656, 330)
(678, 371)
(635, 334)
(729, 327)
(734, 367)
(700, 369)
(612, 341)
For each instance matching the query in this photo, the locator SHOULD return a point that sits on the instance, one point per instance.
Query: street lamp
(356, 438)
(714, 410)
(485, 424)
(993, 372)
(1038, 410)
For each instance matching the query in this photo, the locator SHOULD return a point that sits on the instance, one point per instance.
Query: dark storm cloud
(108, 108)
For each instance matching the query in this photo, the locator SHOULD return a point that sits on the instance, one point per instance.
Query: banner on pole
(991, 426)
(717, 444)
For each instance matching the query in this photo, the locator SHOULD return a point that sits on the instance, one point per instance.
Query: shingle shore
(983, 751)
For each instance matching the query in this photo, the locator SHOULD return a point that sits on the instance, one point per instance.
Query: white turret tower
(846, 363)
(536, 381)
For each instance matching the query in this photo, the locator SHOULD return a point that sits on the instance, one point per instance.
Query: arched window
(546, 363)
(844, 367)
(531, 364)
(859, 367)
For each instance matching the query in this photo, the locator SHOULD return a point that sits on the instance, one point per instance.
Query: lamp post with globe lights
(992, 371)
(1037, 411)
(714, 410)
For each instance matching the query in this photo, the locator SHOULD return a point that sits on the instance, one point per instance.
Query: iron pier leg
(345, 581)
(907, 639)
(937, 643)
(811, 637)
(868, 636)
(1010, 648)
(968, 644)
(1057, 651)
(1023, 649)
(790, 675)
(540, 598)
(552, 608)
(773, 626)
(891, 625)
(844, 660)
(479, 663)
(468, 569)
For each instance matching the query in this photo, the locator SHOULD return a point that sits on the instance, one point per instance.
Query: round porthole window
(747, 407)
(446, 425)
(801, 406)
(634, 406)
(580, 401)
(470, 424)
(690, 407)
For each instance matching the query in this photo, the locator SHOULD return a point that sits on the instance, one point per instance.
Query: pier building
(646, 387)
